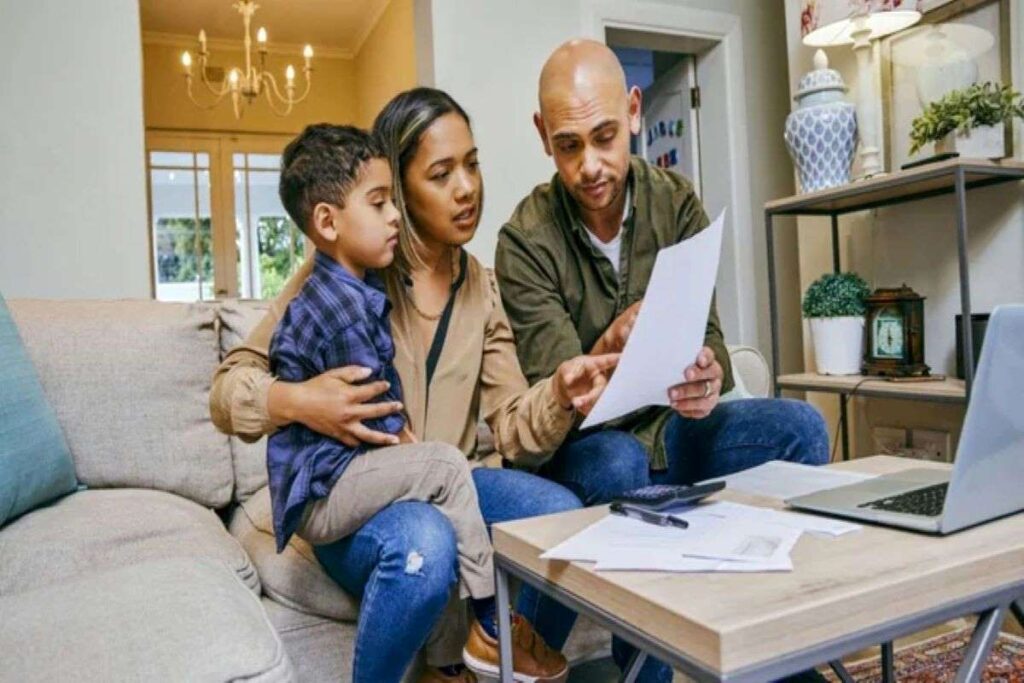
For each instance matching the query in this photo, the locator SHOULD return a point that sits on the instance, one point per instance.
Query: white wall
(72, 189)
(488, 54)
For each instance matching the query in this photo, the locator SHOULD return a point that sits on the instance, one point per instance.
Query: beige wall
(333, 96)
(73, 193)
(386, 64)
(915, 243)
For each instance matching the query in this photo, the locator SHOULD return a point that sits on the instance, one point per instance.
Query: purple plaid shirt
(335, 320)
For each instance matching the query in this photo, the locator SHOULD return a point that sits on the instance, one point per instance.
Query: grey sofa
(162, 567)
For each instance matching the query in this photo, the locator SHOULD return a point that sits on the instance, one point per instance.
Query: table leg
(1018, 610)
(888, 664)
(504, 624)
(984, 637)
(840, 671)
(636, 662)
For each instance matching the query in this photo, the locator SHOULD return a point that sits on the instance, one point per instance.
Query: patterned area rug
(936, 660)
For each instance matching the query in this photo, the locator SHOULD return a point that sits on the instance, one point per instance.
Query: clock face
(887, 333)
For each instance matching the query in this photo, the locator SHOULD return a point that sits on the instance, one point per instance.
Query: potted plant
(834, 304)
(968, 121)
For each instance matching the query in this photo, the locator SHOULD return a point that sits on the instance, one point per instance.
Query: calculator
(663, 496)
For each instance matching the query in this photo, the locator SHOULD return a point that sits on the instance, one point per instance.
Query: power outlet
(889, 440)
(933, 444)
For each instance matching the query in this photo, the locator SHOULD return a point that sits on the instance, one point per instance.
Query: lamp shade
(830, 22)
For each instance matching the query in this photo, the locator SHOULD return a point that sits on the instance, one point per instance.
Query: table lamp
(825, 23)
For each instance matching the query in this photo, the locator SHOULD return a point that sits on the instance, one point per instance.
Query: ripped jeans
(403, 566)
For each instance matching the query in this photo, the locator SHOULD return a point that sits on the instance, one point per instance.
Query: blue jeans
(597, 466)
(399, 604)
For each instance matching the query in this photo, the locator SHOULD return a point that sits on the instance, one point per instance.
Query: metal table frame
(860, 198)
(991, 608)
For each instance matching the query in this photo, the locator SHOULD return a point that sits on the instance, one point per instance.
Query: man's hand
(699, 394)
(614, 338)
(333, 404)
(579, 381)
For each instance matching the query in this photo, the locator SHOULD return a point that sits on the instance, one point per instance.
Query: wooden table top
(839, 586)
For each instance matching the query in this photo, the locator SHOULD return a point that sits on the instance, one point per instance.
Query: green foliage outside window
(281, 247)
(836, 295)
(176, 250)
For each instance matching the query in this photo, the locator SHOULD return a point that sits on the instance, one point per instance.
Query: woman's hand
(579, 381)
(613, 339)
(333, 404)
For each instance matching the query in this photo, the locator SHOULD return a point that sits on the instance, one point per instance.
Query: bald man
(573, 263)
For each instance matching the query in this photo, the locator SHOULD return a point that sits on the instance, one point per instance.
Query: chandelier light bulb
(186, 60)
(233, 78)
(307, 52)
(261, 36)
(202, 39)
(289, 73)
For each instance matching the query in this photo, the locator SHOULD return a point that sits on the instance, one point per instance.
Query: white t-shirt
(613, 250)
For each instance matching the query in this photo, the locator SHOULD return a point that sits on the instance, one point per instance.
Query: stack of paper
(784, 480)
(722, 537)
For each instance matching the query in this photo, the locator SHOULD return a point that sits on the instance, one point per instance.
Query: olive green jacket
(561, 293)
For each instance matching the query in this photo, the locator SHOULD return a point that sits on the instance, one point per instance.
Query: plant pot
(838, 344)
(984, 142)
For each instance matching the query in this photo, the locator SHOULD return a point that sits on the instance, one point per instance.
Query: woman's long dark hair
(400, 126)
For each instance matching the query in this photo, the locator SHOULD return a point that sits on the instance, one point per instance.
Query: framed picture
(977, 35)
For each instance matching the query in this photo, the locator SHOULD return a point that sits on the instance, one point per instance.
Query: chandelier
(252, 80)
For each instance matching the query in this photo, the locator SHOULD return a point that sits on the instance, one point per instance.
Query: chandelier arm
(195, 101)
(276, 93)
(309, 83)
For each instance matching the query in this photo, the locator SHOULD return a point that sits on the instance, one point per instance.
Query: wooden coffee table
(844, 594)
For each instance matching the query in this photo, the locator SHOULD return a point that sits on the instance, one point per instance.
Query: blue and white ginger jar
(821, 133)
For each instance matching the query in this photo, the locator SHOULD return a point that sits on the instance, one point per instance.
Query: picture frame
(901, 103)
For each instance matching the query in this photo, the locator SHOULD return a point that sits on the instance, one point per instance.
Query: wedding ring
(707, 388)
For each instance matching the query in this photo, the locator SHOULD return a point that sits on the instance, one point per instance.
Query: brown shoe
(532, 660)
(435, 675)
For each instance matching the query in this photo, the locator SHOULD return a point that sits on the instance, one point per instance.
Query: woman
(456, 358)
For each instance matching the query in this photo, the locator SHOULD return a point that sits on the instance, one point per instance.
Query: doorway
(670, 115)
(712, 43)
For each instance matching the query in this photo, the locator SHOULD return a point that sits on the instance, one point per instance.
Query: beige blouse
(477, 376)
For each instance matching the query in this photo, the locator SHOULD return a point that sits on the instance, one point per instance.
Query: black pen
(649, 516)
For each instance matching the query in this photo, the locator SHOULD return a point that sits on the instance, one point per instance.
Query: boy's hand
(579, 381)
(333, 404)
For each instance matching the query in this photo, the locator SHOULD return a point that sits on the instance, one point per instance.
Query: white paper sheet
(730, 513)
(669, 561)
(785, 480)
(669, 329)
(615, 540)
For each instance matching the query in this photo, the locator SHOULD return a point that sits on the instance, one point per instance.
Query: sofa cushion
(95, 531)
(129, 381)
(294, 577)
(320, 649)
(237, 318)
(35, 464)
(167, 620)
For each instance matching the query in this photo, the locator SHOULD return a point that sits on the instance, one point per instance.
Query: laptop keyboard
(927, 501)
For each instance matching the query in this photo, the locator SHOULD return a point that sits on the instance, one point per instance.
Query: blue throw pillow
(35, 464)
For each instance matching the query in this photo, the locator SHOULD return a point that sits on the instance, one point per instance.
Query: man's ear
(635, 109)
(538, 122)
(323, 220)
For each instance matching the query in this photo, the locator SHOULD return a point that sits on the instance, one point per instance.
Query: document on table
(669, 329)
(617, 542)
(786, 480)
(729, 513)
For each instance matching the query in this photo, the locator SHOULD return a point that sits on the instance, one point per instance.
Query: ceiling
(339, 26)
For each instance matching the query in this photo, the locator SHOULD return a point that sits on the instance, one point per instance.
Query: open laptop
(987, 479)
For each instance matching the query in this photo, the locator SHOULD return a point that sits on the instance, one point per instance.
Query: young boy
(336, 186)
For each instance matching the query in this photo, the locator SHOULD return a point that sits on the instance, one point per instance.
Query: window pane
(266, 162)
(179, 159)
(238, 160)
(203, 160)
(182, 235)
(270, 247)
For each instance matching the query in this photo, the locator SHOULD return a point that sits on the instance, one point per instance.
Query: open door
(670, 122)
